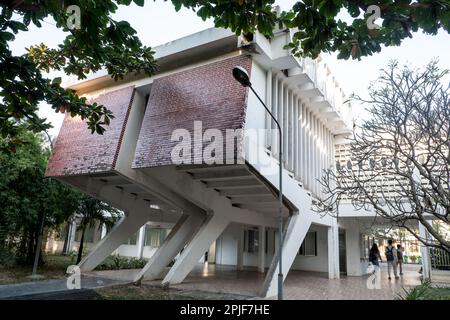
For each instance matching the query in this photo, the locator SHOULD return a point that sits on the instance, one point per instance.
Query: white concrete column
(317, 155)
(280, 109)
(72, 233)
(262, 249)
(313, 154)
(209, 232)
(240, 249)
(126, 227)
(269, 106)
(212, 253)
(285, 125)
(103, 232)
(140, 242)
(290, 132)
(425, 252)
(353, 248)
(186, 226)
(303, 149)
(308, 167)
(296, 145)
(275, 101)
(333, 251)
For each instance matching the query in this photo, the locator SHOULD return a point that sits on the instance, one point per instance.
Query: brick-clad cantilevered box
(207, 93)
(77, 151)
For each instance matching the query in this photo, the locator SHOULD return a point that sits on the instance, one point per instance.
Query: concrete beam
(234, 184)
(245, 192)
(222, 174)
(254, 199)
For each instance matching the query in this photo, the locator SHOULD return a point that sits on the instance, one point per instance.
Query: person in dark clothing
(374, 255)
(391, 259)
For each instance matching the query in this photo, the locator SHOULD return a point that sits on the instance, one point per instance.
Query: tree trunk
(65, 248)
(28, 258)
(80, 249)
(38, 255)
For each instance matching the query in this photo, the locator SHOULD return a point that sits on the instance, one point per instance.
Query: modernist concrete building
(161, 160)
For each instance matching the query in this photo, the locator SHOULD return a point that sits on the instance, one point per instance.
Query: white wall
(132, 251)
(353, 246)
(226, 245)
(256, 114)
(317, 263)
(127, 250)
(226, 250)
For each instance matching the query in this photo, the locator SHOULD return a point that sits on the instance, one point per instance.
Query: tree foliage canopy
(27, 195)
(102, 42)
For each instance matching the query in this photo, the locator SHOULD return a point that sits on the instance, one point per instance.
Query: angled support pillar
(140, 242)
(127, 226)
(174, 243)
(210, 230)
(298, 226)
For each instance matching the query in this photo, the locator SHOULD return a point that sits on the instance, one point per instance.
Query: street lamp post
(241, 75)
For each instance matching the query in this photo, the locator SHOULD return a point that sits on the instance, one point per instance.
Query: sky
(158, 22)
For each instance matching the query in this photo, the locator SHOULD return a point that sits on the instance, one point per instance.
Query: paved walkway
(43, 288)
(299, 285)
(313, 286)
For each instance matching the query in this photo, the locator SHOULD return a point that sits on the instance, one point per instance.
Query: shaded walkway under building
(299, 285)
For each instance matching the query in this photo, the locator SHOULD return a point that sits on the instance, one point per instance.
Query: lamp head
(241, 76)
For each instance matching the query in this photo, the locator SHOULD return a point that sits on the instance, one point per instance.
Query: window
(251, 238)
(131, 240)
(309, 245)
(366, 244)
(154, 237)
(266, 241)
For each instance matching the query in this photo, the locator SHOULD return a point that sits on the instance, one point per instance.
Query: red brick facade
(77, 151)
(207, 93)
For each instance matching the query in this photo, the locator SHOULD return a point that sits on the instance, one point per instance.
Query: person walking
(391, 259)
(374, 255)
(400, 259)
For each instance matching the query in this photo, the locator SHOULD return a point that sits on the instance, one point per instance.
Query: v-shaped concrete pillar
(210, 230)
(298, 226)
(126, 227)
(177, 239)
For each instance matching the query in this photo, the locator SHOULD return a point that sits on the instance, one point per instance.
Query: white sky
(158, 23)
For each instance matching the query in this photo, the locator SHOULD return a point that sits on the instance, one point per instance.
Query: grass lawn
(439, 294)
(142, 292)
(146, 292)
(427, 291)
(54, 267)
